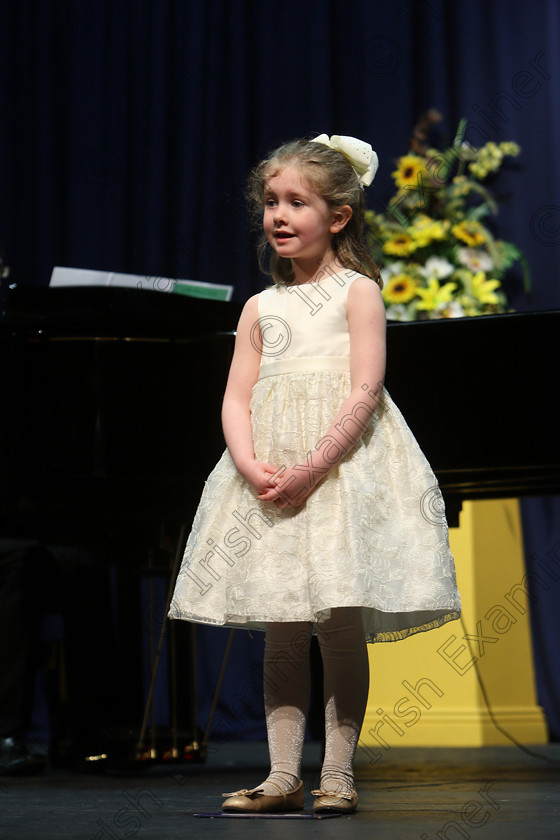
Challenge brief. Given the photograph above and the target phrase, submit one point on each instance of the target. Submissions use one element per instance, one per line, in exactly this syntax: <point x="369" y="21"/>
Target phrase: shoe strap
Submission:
<point x="333" y="795"/>
<point x="258" y="789"/>
<point x="278" y="788"/>
<point x="244" y="792"/>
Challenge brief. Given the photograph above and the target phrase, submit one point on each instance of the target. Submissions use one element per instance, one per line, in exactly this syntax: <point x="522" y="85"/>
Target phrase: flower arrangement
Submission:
<point x="437" y="258"/>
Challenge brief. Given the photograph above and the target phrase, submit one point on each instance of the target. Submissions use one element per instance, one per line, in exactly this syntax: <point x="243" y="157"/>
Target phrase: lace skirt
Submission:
<point x="373" y="534"/>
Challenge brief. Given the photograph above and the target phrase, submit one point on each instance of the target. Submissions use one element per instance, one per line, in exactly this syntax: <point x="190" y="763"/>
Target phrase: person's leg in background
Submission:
<point x="18" y="620"/>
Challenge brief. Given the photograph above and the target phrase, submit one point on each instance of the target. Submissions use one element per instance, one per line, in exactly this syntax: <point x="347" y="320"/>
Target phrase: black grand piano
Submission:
<point x="110" y="419"/>
<point x="107" y="408"/>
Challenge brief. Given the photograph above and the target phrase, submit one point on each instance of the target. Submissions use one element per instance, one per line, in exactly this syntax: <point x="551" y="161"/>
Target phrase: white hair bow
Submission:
<point x="360" y="154"/>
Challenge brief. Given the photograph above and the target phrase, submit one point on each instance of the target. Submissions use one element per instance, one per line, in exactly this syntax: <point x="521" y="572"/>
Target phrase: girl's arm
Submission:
<point x="236" y="414"/>
<point x="367" y="327"/>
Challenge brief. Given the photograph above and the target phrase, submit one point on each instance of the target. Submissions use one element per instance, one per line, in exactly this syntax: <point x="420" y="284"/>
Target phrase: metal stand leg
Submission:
<point x="155" y="660"/>
<point x="155" y="664"/>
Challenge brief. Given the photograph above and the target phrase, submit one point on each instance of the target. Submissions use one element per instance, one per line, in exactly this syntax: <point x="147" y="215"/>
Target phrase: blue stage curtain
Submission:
<point x="541" y="531"/>
<point x="127" y="128"/>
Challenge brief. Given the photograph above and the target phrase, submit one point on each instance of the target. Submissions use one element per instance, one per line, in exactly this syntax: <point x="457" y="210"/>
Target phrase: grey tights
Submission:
<point x="286" y="694"/>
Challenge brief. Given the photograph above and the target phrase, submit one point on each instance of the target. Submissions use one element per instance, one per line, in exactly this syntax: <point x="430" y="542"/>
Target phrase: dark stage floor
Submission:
<point x="412" y="794"/>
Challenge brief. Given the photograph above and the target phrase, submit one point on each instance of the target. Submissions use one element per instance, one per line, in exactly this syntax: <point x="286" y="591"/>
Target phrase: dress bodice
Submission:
<point x="305" y="327"/>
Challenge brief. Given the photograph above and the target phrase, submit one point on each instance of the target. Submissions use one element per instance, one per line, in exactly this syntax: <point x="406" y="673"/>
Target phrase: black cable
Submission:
<point x="486" y="699"/>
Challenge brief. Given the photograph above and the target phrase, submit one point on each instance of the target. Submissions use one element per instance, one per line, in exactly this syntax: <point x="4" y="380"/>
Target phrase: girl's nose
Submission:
<point x="279" y="213"/>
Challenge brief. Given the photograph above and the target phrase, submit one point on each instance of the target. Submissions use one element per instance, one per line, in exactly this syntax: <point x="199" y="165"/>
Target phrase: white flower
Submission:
<point x="454" y="309"/>
<point x="399" y="312"/>
<point x="475" y="259"/>
<point x="437" y="267"/>
<point x="393" y="268"/>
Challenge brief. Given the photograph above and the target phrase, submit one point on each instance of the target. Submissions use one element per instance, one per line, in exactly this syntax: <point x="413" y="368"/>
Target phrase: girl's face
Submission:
<point x="297" y="220"/>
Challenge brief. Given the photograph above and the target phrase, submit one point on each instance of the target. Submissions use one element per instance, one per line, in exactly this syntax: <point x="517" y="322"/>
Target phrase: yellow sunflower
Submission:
<point x="426" y="230"/>
<point x="409" y="168"/>
<point x="400" y="245"/>
<point x="470" y="232"/>
<point x="400" y="289"/>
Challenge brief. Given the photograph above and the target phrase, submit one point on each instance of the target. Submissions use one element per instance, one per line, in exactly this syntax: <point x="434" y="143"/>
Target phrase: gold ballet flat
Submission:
<point x="259" y="802"/>
<point x="330" y="802"/>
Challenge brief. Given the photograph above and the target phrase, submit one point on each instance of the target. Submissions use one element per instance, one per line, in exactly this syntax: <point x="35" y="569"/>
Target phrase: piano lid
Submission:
<point x="115" y="312"/>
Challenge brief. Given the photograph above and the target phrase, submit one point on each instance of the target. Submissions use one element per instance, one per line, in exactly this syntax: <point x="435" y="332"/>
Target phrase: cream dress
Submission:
<point x="373" y="534"/>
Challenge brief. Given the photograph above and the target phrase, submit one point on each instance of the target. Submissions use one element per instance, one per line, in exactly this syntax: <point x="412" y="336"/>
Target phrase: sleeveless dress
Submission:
<point x="373" y="533"/>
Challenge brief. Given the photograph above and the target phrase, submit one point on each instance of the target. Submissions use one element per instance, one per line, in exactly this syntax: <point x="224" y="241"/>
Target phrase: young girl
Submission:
<point x="319" y="517"/>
